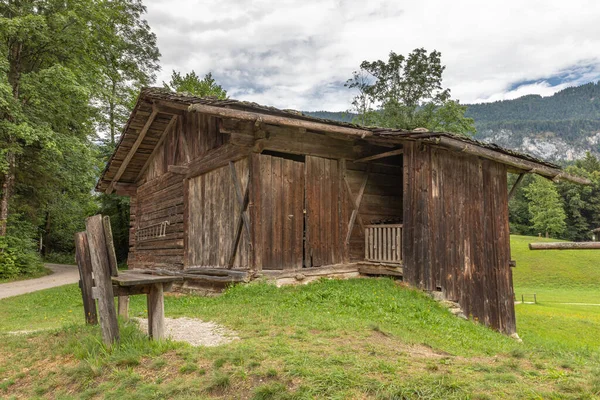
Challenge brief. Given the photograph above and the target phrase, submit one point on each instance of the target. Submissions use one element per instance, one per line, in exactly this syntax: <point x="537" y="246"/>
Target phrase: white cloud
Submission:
<point x="297" y="54"/>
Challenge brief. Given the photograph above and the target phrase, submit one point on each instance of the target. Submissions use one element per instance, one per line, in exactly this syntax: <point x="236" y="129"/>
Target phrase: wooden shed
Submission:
<point x="223" y="190"/>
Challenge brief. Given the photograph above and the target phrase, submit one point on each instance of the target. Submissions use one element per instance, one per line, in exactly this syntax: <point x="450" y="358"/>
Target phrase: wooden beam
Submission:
<point x="565" y="246"/>
<point x="529" y="166"/>
<point x="160" y="141"/>
<point x="133" y="150"/>
<point x="125" y="189"/>
<point x="278" y="120"/>
<point x="514" y="188"/>
<point x="216" y="158"/>
<point x="381" y="155"/>
<point x="178" y="169"/>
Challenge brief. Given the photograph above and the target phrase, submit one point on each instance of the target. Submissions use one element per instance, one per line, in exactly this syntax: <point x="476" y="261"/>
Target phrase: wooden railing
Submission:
<point x="383" y="243"/>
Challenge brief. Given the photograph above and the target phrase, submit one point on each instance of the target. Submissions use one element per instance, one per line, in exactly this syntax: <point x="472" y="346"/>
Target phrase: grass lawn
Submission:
<point x="355" y="339"/>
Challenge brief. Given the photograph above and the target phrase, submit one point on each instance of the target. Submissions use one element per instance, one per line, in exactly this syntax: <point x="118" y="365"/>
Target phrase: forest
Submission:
<point x="71" y="72"/>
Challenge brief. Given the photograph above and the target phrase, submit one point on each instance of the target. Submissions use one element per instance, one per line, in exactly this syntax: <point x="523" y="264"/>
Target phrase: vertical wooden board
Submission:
<point x="101" y="269"/>
<point x="277" y="210"/>
<point x="477" y="238"/>
<point x="313" y="210"/>
<point x="326" y="209"/>
<point x="226" y="198"/>
<point x="288" y="180"/>
<point x="408" y="225"/>
<point x="451" y="215"/>
<point x="505" y="289"/>
<point x="334" y="250"/>
<point x="308" y="195"/>
<point x="204" y="208"/>
<point x="186" y="222"/>
<point x="255" y="211"/>
<point x="491" y="255"/>
<point x="462" y="248"/>
<point x="298" y="244"/>
<point x="266" y="211"/>
<point x="436" y="220"/>
<point x="344" y="212"/>
<point x="84" y="264"/>
<point x="110" y="246"/>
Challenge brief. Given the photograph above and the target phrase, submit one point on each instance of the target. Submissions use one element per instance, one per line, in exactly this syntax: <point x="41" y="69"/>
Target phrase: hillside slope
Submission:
<point x="563" y="276"/>
<point x="562" y="127"/>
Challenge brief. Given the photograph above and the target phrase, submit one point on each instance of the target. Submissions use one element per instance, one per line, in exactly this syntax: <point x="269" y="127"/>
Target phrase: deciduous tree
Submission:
<point x="407" y="93"/>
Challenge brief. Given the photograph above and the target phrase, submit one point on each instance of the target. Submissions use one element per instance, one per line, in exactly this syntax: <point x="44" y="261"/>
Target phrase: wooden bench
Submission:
<point x="153" y="286"/>
<point x="101" y="281"/>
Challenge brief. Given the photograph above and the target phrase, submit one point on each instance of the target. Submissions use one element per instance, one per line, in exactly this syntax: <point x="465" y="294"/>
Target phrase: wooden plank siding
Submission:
<point x="157" y="201"/>
<point x="192" y="136"/>
<point x="456" y="235"/>
<point x="382" y="199"/>
<point x="213" y="216"/>
<point x="277" y="204"/>
<point x="160" y="195"/>
<point x="324" y="239"/>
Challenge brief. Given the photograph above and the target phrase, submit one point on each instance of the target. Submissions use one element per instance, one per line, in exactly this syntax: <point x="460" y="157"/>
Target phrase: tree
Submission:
<point x="545" y="207"/>
<point x="58" y="61"/>
<point x="129" y="61"/>
<point x="407" y="93"/>
<point x="191" y="84"/>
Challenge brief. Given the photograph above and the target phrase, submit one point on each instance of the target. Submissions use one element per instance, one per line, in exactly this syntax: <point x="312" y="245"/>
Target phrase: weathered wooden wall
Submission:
<point x="382" y="198"/>
<point x="160" y="196"/>
<point x="191" y="137"/>
<point x="214" y="213"/>
<point x="277" y="204"/>
<point x="456" y="234"/>
<point x="325" y="227"/>
<point x="158" y="200"/>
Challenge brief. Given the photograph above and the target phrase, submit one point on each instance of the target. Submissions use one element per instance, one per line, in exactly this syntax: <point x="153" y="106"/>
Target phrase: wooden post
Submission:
<point x="124" y="307"/>
<point x="110" y="246"/>
<point x="101" y="267"/>
<point x="86" y="282"/>
<point x="156" y="312"/>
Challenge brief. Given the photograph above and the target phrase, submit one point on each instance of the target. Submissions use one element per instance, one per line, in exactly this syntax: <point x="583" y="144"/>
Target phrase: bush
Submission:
<point x="17" y="252"/>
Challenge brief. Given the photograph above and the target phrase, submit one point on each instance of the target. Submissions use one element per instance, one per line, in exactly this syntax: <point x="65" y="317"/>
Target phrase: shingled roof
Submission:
<point x="150" y="96"/>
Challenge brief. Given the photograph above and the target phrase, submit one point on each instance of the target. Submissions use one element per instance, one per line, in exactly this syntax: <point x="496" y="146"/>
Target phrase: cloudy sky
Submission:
<point x="298" y="54"/>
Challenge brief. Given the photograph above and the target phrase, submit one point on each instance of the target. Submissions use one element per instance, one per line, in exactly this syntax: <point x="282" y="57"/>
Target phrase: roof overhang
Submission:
<point x="157" y="110"/>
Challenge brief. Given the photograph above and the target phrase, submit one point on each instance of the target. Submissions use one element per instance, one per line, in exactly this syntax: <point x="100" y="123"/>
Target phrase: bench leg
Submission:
<point x="124" y="307"/>
<point x="156" y="312"/>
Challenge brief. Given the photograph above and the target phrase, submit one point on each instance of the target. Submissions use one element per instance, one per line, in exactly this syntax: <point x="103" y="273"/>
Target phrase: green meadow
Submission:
<point x="353" y="339"/>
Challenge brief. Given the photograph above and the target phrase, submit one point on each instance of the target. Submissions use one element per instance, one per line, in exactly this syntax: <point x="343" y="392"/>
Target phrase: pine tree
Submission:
<point x="545" y="207"/>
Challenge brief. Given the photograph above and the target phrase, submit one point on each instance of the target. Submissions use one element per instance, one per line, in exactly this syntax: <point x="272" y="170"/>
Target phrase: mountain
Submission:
<point x="560" y="128"/>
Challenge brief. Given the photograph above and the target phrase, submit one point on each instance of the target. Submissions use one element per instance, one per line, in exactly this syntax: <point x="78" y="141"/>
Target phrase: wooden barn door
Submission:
<point x="278" y="212"/>
<point x="324" y="244"/>
<point x="218" y="236"/>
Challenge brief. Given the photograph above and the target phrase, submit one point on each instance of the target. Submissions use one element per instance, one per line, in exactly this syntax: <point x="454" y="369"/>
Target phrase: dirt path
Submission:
<point x="63" y="275"/>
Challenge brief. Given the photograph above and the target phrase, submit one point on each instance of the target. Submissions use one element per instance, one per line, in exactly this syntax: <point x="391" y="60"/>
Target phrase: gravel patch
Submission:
<point x="193" y="331"/>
